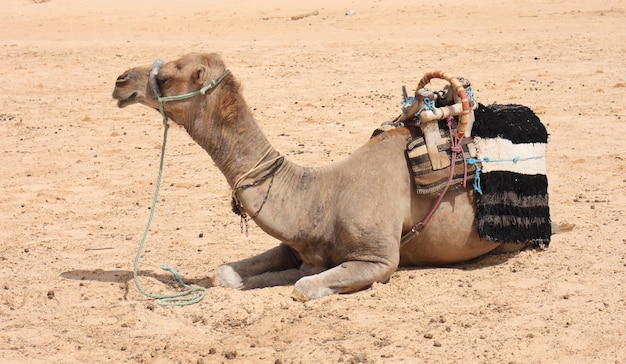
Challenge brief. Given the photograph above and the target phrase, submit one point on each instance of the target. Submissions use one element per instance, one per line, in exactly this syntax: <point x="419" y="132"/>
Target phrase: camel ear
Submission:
<point x="200" y="74"/>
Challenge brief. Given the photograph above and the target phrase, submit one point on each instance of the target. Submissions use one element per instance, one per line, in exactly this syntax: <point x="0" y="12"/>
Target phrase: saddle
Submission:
<point x="431" y="178"/>
<point x="441" y="122"/>
<point x="501" y="148"/>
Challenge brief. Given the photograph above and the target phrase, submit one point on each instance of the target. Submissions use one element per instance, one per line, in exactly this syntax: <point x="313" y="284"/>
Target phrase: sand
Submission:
<point x="78" y="176"/>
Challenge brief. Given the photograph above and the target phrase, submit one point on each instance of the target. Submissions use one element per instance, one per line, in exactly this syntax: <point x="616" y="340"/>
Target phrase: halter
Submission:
<point x="156" y="66"/>
<point x="191" y="294"/>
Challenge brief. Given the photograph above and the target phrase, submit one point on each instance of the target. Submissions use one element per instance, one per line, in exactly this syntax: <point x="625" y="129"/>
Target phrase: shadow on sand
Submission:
<point x="487" y="260"/>
<point x="125" y="277"/>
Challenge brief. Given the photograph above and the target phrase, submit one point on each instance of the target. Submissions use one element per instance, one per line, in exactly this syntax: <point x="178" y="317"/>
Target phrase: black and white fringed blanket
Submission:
<point x="510" y="143"/>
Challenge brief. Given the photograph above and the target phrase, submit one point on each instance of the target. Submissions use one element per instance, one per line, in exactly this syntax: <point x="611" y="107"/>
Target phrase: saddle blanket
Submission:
<point x="510" y="143"/>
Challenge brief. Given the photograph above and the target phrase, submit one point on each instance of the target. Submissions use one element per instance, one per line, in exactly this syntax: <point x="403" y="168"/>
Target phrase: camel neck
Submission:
<point x="231" y="136"/>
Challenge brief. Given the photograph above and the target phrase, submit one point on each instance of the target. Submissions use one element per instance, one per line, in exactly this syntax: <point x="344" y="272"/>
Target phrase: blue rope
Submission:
<point x="474" y="162"/>
<point x="406" y="102"/>
<point x="430" y="104"/>
<point x="470" y="93"/>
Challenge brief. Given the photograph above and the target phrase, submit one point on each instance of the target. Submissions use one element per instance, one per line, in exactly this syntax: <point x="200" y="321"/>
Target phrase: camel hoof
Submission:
<point x="228" y="277"/>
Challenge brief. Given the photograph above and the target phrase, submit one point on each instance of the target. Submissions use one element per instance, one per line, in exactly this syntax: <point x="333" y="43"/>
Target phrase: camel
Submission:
<point x="340" y="225"/>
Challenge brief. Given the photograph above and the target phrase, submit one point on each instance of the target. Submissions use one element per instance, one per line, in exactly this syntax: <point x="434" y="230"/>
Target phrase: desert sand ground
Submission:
<point x="78" y="174"/>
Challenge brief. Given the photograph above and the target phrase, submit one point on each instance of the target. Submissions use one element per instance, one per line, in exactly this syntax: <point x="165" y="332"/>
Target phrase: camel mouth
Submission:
<point x="129" y="100"/>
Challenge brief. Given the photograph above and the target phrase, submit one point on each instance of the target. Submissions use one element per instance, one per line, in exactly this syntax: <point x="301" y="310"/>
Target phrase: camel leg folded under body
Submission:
<point x="280" y="266"/>
<point x="347" y="277"/>
<point x="275" y="267"/>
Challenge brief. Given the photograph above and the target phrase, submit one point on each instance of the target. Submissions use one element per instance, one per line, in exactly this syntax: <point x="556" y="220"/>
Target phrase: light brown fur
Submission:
<point x="340" y="225"/>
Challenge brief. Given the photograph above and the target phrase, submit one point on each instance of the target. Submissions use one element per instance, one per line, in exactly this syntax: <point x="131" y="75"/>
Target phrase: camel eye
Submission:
<point x="162" y="81"/>
<point x="122" y="79"/>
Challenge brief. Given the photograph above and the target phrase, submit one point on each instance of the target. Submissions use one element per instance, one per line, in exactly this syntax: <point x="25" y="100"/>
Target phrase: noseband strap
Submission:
<point x="156" y="66"/>
<point x="201" y="91"/>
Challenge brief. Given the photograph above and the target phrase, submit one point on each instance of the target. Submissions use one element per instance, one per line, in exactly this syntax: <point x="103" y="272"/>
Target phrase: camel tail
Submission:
<point x="562" y="228"/>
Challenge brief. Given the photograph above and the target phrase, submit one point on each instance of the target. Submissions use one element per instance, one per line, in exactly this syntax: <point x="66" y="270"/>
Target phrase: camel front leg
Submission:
<point x="276" y="266"/>
<point x="347" y="277"/>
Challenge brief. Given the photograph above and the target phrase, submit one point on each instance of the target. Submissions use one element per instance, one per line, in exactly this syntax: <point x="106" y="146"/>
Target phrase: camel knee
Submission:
<point x="345" y="278"/>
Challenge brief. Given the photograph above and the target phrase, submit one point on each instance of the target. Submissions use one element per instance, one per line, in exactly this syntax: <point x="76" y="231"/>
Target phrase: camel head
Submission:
<point x="185" y="75"/>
